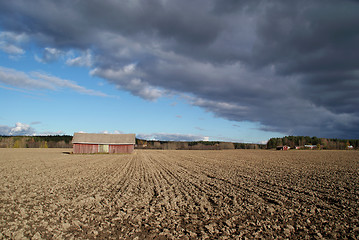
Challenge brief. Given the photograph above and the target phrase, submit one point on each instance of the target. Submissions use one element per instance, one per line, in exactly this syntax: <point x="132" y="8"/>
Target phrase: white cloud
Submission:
<point x="19" y="129"/>
<point x="137" y="87"/>
<point x="38" y="59"/>
<point x="114" y="132"/>
<point x="20" y="79"/>
<point x="49" y="55"/>
<point x="36" y="80"/>
<point x="14" y="89"/>
<point x="130" y="68"/>
<point x="171" y="137"/>
<point x="11" y="42"/>
<point x="224" y="106"/>
<point x="118" y="74"/>
<point x="22" y="129"/>
<point x="14" y="37"/>
<point x="127" y="78"/>
<point x="63" y="83"/>
<point x="84" y="60"/>
<point x="50" y="133"/>
<point x="11" y="49"/>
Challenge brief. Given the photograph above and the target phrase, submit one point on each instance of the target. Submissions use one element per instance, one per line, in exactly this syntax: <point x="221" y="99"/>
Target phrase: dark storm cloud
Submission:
<point x="292" y="66"/>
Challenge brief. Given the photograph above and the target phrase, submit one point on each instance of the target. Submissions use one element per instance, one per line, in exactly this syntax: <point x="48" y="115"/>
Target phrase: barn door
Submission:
<point x="103" y="148"/>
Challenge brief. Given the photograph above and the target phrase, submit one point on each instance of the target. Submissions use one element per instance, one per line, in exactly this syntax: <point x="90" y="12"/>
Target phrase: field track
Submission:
<point x="46" y="193"/>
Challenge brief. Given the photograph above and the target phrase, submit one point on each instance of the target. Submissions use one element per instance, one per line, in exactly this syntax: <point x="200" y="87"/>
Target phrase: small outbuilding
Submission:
<point x="103" y="143"/>
<point x="309" y="146"/>
<point x="283" y="148"/>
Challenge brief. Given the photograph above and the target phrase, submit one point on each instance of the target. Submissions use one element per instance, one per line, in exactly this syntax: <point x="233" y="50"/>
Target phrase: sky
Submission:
<point x="234" y="70"/>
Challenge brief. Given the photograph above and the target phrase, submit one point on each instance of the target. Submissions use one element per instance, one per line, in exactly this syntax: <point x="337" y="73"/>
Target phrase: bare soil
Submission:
<point x="230" y="194"/>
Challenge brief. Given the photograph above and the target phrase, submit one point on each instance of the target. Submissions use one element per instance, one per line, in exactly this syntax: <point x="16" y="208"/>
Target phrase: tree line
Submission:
<point x="322" y="143"/>
<point x="195" y="145"/>
<point x="56" y="141"/>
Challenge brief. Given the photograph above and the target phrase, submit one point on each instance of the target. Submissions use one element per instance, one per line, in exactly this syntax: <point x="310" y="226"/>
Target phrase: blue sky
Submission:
<point x="242" y="71"/>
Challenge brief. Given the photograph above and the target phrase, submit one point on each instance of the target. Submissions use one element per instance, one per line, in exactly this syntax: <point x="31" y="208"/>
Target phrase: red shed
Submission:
<point x="103" y="143"/>
<point x="284" y="148"/>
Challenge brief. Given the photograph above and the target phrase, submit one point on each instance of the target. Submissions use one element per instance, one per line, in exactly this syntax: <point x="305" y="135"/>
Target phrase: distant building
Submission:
<point x="310" y="146"/>
<point x="103" y="143"/>
<point x="283" y="148"/>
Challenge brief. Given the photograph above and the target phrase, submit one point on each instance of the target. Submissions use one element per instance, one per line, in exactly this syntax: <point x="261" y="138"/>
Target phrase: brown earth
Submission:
<point x="46" y="193"/>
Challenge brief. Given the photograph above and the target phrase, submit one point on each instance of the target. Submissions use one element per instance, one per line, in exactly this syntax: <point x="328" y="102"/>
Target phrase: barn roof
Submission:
<point x="99" y="138"/>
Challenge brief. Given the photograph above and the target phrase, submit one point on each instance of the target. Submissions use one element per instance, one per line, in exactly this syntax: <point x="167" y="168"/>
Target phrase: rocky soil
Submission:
<point x="230" y="194"/>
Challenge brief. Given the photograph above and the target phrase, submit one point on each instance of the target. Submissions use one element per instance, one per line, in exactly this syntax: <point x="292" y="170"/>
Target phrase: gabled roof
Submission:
<point x="96" y="138"/>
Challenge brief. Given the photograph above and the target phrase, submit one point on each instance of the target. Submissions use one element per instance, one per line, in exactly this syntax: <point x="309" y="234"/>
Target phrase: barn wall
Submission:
<point x="96" y="148"/>
<point x="85" y="148"/>
<point x="121" y="148"/>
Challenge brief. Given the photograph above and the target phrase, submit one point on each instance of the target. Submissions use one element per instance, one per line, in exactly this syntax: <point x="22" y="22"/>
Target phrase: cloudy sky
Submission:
<point x="180" y="70"/>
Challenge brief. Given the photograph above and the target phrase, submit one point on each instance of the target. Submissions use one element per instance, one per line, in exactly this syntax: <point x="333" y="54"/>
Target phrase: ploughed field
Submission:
<point x="46" y="193"/>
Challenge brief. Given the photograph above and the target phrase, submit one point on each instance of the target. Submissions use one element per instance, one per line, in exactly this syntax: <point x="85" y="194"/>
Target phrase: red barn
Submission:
<point x="284" y="148"/>
<point x="103" y="143"/>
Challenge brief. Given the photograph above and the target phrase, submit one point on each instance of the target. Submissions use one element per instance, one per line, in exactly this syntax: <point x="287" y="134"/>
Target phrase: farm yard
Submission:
<point x="48" y="193"/>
